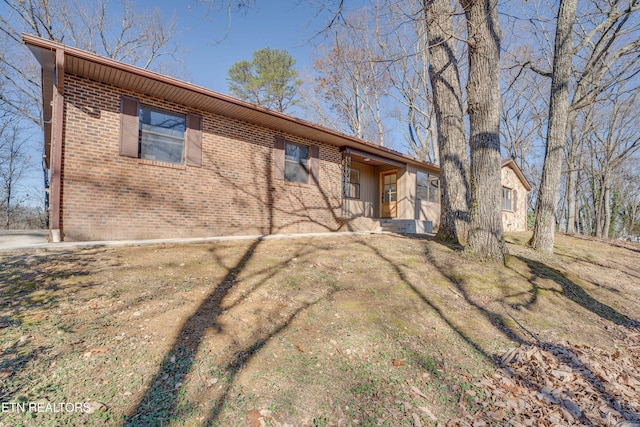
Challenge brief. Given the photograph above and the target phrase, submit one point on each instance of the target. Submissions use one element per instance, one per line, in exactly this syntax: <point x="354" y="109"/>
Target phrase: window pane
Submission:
<point x="295" y="172"/>
<point x="160" y="148"/>
<point x="422" y="179"/>
<point x="422" y="193"/>
<point x="161" y="135"/>
<point x="296" y="153"/>
<point x="434" y="190"/>
<point x="422" y="186"/>
<point x="355" y="176"/>
<point x="390" y="192"/>
<point x="295" y="162"/>
<point x="352" y="188"/>
<point x="354" y="191"/>
<point x="507" y="199"/>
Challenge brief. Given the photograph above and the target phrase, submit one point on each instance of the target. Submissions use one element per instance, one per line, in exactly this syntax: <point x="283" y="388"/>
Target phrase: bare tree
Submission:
<point x="522" y="117"/>
<point x="353" y="78"/>
<point x="483" y="106"/>
<point x="608" y="45"/>
<point x="580" y="125"/>
<point x="404" y="43"/>
<point x="142" y="38"/>
<point x="605" y="57"/>
<point x="448" y="106"/>
<point x="630" y="198"/>
<point x="13" y="167"/>
<point x="612" y="142"/>
<point x="547" y="201"/>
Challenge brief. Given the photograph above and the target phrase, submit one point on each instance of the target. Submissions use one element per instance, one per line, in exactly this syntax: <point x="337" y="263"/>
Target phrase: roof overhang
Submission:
<point x="510" y="163"/>
<point x="47" y="59"/>
<point x="89" y="65"/>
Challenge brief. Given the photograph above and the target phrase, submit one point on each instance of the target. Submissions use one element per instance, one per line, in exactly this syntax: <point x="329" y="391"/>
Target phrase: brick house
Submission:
<point x="136" y="155"/>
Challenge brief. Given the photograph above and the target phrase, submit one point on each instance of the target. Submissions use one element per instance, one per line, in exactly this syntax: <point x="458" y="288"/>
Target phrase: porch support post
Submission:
<point x="346" y="180"/>
<point x="56" y="149"/>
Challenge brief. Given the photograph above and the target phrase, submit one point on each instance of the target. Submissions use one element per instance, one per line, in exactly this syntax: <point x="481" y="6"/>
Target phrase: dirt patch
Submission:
<point x="346" y="330"/>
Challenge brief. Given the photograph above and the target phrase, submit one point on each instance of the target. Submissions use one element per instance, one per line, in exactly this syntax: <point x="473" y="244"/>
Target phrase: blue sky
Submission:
<point x="209" y="54"/>
<point x="208" y="51"/>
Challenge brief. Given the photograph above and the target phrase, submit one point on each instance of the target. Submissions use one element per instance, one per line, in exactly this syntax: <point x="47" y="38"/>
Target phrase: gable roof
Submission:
<point x="86" y="64"/>
<point x="510" y="163"/>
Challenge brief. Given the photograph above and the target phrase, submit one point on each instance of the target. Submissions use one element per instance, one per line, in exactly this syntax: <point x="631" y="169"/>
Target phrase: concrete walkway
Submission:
<point x="19" y="240"/>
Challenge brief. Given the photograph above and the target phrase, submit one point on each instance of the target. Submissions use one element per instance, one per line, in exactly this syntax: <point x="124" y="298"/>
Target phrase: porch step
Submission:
<point x="406" y="226"/>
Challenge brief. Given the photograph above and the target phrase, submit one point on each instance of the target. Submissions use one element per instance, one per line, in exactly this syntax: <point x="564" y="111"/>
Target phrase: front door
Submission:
<point x="389" y="196"/>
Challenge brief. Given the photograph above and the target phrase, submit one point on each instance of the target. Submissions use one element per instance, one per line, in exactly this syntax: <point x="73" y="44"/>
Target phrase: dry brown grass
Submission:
<point x="310" y="331"/>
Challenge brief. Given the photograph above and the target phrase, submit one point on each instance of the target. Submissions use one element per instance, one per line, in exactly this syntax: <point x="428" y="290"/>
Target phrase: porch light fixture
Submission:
<point x="367" y="159"/>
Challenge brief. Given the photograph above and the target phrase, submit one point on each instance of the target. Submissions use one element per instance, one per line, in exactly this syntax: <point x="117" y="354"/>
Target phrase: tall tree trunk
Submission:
<point x="574" y="165"/>
<point x="546" y="206"/>
<point x="483" y="100"/>
<point x="447" y="103"/>
<point x="606" y="212"/>
<point x="603" y="212"/>
<point x="571" y="197"/>
<point x="598" y="201"/>
<point x="578" y="199"/>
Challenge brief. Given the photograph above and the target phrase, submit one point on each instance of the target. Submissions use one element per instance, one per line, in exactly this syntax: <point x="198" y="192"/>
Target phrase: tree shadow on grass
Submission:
<point x="562" y="353"/>
<point x="243" y="356"/>
<point x="14" y="358"/>
<point x="164" y="400"/>
<point x="32" y="286"/>
<point x="161" y="399"/>
<point x="440" y="312"/>
<point x="577" y="294"/>
<point x="29" y="280"/>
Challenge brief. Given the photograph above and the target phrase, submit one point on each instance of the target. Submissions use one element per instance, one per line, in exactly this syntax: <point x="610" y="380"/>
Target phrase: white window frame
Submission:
<point x="152" y="136"/>
<point x="507" y="200"/>
<point x="293" y="167"/>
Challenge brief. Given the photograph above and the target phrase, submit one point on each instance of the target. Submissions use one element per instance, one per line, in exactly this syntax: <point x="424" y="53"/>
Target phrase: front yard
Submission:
<point x="346" y="330"/>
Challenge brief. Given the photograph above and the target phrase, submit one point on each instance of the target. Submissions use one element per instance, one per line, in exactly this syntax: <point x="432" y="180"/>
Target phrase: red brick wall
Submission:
<point x="108" y="196"/>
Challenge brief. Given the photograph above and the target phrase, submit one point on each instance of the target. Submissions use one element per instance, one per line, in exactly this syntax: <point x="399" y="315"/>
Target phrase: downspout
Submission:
<point x="55" y="234"/>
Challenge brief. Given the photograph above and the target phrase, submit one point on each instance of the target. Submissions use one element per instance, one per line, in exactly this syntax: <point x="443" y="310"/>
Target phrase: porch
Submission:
<point x="384" y="190"/>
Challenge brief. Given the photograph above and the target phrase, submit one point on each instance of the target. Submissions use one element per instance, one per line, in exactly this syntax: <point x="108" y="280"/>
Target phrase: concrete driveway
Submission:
<point x="16" y="239"/>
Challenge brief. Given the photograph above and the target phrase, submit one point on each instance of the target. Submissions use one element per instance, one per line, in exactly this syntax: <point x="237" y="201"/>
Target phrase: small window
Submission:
<point x="507" y="199"/>
<point x="427" y="187"/>
<point x="161" y="135"/>
<point x="352" y="190"/>
<point x="296" y="162"/>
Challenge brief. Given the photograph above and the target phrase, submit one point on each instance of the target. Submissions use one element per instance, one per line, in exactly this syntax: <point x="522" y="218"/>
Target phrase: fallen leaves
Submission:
<point x="254" y="418"/>
<point x="93" y="351"/>
<point x="264" y="417"/>
<point x="555" y="385"/>
<point x="92" y="407"/>
<point x="417" y="391"/>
